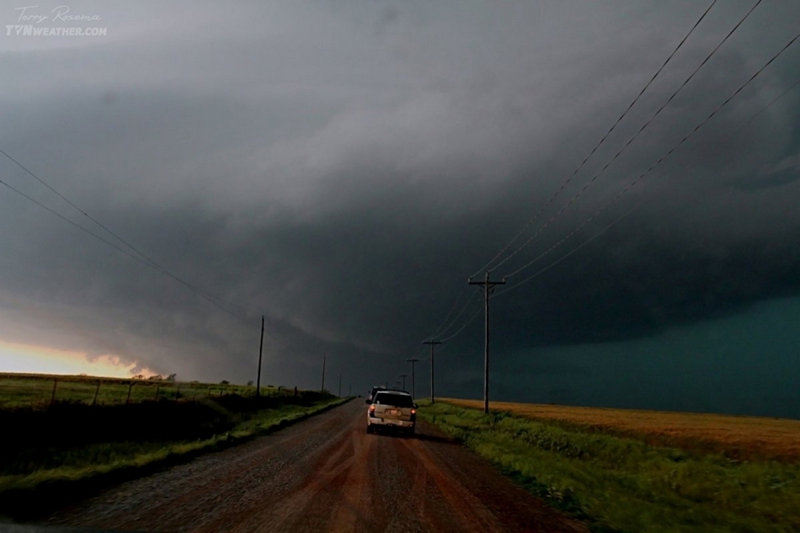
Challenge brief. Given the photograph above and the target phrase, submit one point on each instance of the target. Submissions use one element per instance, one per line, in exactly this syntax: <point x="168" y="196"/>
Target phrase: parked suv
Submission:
<point x="392" y="409"/>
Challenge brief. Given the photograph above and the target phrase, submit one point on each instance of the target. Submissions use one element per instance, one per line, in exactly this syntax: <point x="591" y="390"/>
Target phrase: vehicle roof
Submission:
<point x="393" y="392"/>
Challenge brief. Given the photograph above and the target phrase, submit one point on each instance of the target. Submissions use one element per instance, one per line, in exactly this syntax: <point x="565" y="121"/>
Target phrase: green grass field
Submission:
<point x="623" y="483"/>
<point x="39" y="390"/>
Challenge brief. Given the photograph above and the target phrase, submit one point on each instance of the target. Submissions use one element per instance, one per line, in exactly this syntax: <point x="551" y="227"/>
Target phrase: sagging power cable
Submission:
<point x="602" y="140"/>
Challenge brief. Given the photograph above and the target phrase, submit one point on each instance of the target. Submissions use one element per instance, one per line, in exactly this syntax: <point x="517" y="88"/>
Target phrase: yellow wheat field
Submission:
<point x="743" y="437"/>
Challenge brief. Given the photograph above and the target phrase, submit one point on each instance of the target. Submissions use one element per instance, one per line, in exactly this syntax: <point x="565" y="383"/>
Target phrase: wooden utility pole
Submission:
<point x="404" y="376"/>
<point x="260" y="350"/>
<point x="412" y="361"/>
<point x="488" y="288"/>
<point x="433" y="345"/>
<point x="324" y="356"/>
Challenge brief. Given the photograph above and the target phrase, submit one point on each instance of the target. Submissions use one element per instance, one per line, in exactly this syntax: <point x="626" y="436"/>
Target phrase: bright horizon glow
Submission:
<point x="30" y="359"/>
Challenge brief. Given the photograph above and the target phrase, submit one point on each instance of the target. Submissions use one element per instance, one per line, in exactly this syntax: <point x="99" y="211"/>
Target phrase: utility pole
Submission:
<point x="488" y="288"/>
<point x="404" y="376"/>
<point x="324" y="356"/>
<point x="340" y="385"/>
<point x="412" y="361"/>
<point x="433" y="345"/>
<point x="260" y="350"/>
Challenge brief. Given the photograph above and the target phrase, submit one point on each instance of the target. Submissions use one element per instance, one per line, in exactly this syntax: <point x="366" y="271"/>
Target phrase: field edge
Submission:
<point x="33" y="496"/>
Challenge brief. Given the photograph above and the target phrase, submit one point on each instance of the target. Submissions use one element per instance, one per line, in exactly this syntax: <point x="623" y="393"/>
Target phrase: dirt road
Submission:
<point x="324" y="474"/>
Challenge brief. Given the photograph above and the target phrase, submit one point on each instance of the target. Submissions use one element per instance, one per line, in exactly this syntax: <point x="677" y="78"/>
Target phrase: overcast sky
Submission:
<point x="343" y="167"/>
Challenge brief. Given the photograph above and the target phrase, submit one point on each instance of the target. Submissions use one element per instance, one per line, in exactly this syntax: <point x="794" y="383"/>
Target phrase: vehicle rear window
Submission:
<point x="398" y="400"/>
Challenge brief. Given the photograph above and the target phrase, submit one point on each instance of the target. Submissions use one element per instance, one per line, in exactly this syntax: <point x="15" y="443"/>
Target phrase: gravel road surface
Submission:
<point x="324" y="474"/>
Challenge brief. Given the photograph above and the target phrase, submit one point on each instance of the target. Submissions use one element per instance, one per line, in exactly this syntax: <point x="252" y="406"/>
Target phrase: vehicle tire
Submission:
<point x="410" y="432"/>
<point x="369" y="428"/>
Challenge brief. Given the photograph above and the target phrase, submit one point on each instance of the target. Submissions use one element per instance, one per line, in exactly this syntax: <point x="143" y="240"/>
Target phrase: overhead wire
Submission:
<point x="466" y="323"/>
<point x="574" y="250"/>
<point x="597" y="146"/>
<point x="640" y="204"/>
<point x="630" y="141"/>
<point x="664" y="157"/>
<point x="122" y="250"/>
<point x="439" y="329"/>
<point x="140" y="256"/>
<point x="68" y="201"/>
<point x="469" y="300"/>
<point x="62" y="217"/>
<point x="763" y="109"/>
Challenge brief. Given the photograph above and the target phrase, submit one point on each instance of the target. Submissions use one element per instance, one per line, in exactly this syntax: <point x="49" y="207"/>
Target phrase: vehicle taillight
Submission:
<point x="413" y="411"/>
<point x="372" y="408"/>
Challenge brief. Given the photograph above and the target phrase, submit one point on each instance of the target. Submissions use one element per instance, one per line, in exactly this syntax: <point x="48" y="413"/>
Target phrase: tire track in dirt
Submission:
<point x="324" y="474"/>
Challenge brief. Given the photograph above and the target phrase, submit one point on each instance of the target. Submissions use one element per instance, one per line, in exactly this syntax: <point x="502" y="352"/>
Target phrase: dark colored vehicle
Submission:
<point x="374" y="390"/>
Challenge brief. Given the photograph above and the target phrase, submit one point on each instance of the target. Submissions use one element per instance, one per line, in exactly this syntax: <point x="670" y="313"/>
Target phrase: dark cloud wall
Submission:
<point x="343" y="169"/>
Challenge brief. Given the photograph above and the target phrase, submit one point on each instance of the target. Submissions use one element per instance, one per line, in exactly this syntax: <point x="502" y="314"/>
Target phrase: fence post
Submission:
<point x="128" y="399"/>
<point x="96" y="392"/>
<point x="53" y="397"/>
<point x="177" y="393"/>
<point x="295" y="390"/>
<point x="158" y="388"/>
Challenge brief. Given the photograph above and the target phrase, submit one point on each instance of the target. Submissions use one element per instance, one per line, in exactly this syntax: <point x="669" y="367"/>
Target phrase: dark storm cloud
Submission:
<point x="343" y="169"/>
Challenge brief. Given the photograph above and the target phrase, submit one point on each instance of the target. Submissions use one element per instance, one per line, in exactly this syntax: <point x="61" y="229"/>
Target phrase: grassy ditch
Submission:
<point x="619" y="483"/>
<point x="76" y="447"/>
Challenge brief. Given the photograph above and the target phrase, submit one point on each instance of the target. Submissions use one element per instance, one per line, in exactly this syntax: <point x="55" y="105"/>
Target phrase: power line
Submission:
<point x="455" y="319"/>
<point x="67" y="200"/>
<point x="142" y="258"/>
<point x="574" y="250"/>
<point x="637" y="206"/>
<point x="665" y="156"/>
<point x="602" y="140"/>
<point x="467" y="323"/>
<point x="630" y="141"/>
<point x="62" y="217"/>
<point x="438" y="330"/>
<point x="774" y="100"/>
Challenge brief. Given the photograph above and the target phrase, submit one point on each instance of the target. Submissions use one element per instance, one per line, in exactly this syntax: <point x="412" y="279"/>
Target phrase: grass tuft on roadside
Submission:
<point x="619" y="483"/>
